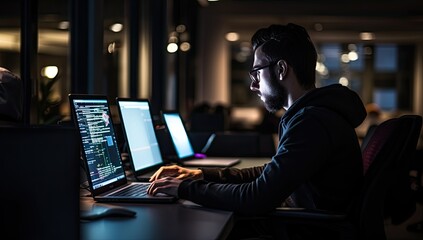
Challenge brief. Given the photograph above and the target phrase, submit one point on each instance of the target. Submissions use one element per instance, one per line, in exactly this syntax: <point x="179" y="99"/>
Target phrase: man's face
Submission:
<point x="266" y="84"/>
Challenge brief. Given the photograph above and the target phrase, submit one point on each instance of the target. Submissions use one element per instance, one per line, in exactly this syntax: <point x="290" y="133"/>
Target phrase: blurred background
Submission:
<point x="194" y="55"/>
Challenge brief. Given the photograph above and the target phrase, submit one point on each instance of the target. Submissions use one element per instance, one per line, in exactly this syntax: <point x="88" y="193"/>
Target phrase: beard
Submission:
<point x="275" y="101"/>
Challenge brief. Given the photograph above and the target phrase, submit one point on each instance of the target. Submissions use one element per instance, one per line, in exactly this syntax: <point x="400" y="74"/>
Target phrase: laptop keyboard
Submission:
<point x="135" y="190"/>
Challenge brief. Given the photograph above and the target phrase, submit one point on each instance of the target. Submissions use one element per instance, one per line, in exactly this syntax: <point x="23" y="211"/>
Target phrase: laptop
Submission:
<point x="141" y="141"/>
<point x="183" y="147"/>
<point x="105" y="171"/>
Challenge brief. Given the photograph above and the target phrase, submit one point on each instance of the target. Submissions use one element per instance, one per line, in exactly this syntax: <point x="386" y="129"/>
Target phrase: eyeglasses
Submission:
<point x="253" y="72"/>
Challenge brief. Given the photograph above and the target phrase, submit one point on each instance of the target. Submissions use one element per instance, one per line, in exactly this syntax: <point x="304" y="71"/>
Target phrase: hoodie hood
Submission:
<point x="336" y="98"/>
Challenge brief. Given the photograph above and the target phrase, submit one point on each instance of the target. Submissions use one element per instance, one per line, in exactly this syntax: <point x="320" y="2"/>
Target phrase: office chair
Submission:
<point x="386" y="190"/>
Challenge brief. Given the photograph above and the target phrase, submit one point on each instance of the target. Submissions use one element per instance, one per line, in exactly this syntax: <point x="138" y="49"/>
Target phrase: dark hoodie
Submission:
<point x="317" y="164"/>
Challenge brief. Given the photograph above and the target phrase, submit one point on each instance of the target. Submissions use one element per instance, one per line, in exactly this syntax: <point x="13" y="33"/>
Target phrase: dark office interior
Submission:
<point x="193" y="56"/>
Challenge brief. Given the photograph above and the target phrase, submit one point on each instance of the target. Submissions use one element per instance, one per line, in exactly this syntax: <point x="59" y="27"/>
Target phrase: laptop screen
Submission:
<point x="178" y="134"/>
<point x="99" y="144"/>
<point x="139" y="132"/>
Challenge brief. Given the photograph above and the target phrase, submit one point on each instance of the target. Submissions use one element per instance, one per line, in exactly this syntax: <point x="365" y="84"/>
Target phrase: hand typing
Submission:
<point x="167" y="185"/>
<point x="176" y="172"/>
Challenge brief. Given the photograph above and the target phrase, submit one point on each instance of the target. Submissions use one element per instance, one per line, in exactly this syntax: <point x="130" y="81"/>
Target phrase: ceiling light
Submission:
<point x="185" y="46"/>
<point x="181" y="28"/>
<point x="352" y="55"/>
<point x="344" y="81"/>
<point x="49" y="71"/>
<point x="352" y="47"/>
<point x="321" y="68"/>
<point x="111" y="48"/>
<point x="63" y="25"/>
<point x="232" y="36"/>
<point x="345" y="58"/>
<point x="117" y="27"/>
<point x="172" y="47"/>
<point x="367" y="36"/>
<point x="318" y="27"/>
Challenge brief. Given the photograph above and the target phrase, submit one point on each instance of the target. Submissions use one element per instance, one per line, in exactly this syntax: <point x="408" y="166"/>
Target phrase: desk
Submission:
<point x="165" y="221"/>
<point x="252" y="162"/>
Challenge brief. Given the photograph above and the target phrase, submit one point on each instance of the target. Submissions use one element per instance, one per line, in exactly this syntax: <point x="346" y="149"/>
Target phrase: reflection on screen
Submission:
<point x="178" y="134"/>
<point x="139" y="130"/>
<point x="99" y="141"/>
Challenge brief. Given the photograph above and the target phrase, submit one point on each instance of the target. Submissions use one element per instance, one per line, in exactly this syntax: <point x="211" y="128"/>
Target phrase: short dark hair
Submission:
<point x="291" y="43"/>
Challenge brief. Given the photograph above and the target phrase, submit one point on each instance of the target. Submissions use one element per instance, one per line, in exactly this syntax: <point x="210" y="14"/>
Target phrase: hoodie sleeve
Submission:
<point x="231" y="175"/>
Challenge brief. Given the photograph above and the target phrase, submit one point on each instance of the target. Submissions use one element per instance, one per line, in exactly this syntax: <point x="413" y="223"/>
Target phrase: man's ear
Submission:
<point x="283" y="69"/>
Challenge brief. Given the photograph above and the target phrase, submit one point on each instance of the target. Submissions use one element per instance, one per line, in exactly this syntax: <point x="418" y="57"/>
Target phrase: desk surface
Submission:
<point x="165" y="221"/>
<point x="161" y="221"/>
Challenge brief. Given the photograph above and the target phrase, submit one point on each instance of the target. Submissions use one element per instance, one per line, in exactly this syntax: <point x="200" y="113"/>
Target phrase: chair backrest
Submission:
<point x="375" y="142"/>
<point x="386" y="160"/>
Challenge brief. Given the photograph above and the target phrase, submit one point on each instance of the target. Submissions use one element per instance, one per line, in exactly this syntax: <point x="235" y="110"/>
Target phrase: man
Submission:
<point x="318" y="159"/>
